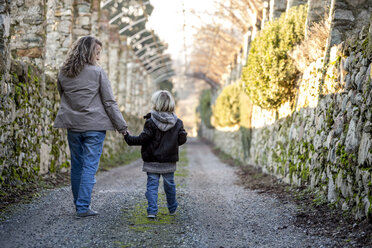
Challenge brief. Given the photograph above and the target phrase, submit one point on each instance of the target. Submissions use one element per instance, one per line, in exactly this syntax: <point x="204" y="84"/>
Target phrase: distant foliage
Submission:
<point x="270" y="73"/>
<point x="226" y="111"/>
<point x="166" y="85"/>
<point x="205" y="108"/>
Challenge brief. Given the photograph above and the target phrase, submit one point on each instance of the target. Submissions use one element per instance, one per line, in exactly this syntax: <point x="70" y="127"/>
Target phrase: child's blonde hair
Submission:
<point x="162" y="101"/>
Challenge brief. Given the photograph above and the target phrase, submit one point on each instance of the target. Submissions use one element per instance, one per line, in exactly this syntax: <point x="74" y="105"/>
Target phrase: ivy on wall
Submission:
<point x="28" y="107"/>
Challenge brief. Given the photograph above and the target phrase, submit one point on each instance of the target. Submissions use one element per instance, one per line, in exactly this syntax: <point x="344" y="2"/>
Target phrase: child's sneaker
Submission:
<point x="173" y="213"/>
<point x="151" y="216"/>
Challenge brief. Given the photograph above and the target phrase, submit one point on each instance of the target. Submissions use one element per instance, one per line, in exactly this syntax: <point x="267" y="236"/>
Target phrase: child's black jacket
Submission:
<point x="159" y="146"/>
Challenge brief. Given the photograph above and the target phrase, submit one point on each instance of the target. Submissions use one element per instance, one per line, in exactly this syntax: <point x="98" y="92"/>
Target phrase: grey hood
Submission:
<point x="163" y="120"/>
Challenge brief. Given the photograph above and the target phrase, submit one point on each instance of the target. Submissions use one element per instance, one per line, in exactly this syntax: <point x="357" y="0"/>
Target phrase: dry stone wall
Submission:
<point x="349" y="16"/>
<point x="326" y="142"/>
<point x="328" y="145"/>
<point x="34" y="39"/>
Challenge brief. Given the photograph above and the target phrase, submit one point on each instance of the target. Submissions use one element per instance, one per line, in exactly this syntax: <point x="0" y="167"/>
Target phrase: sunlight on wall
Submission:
<point x="308" y="96"/>
<point x="262" y="117"/>
<point x="228" y="129"/>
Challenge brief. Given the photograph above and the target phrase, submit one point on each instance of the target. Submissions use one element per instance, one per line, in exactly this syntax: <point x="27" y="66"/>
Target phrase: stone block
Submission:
<point x="35" y="52"/>
<point x="348" y="62"/>
<point x="5" y="24"/>
<point x="343" y="15"/>
<point x="80" y="31"/>
<point x="66" y="42"/>
<point x="364" y="154"/>
<point x="277" y="7"/>
<point x="83" y="20"/>
<point x="64" y="26"/>
<point x="331" y="195"/>
<point x="367" y="127"/>
<point x="352" y="137"/>
<point x="83" y="8"/>
<point x="332" y="155"/>
<point x="359" y="99"/>
<point x="33" y="20"/>
<point x="64" y="12"/>
<point x="360" y="78"/>
<point x="44" y="158"/>
<point x="329" y="140"/>
<point x="367" y="205"/>
<point x="292" y="3"/>
<point x="19" y="3"/>
<point x="362" y="20"/>
<point x="33" y="40"/>
<point x="355" y="3"/>
<point x="335" y="37"/>
<point x="32" y="3"/>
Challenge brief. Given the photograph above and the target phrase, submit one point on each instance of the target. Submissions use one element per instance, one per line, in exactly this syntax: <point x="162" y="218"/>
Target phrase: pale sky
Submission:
<point x="167" y="21"/>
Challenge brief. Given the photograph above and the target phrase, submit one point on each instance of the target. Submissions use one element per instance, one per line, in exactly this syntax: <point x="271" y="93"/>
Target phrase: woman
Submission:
<point x="87" y="110"/>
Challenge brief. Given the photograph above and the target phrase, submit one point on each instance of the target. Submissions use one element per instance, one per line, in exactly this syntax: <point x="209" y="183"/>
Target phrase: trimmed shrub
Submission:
<point x="232" y="107"/>
<point x="270" y="73"/>
<point x="226" y="111"/>
<point x="245" y="110"/>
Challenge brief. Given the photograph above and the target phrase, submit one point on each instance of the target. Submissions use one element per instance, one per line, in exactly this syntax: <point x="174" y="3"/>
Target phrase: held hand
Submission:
<point x="125" y="133"/>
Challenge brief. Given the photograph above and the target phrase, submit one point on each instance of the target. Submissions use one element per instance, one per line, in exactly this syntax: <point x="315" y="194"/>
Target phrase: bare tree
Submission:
<point x="217" y="43"/>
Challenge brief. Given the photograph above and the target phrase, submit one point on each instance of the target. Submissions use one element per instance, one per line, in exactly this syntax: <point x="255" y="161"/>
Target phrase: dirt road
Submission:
<point x="213" y="212"/>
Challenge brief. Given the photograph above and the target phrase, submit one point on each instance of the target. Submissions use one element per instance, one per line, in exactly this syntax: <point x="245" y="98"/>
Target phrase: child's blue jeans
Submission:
<point x="86" y="149"/>
<point x="152" y="192"/>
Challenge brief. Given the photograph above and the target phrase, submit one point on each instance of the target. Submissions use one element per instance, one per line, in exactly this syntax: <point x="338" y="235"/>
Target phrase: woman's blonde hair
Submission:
<point x="83" y="52"/>
<point x="163" y="101"/>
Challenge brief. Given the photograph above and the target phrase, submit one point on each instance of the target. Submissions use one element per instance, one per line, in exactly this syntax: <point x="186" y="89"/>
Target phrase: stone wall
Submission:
<point x="34" y="39"/>
<point x="349" y="16"/>
<point x="324" y="143"/>
<point x="277" y="7"/>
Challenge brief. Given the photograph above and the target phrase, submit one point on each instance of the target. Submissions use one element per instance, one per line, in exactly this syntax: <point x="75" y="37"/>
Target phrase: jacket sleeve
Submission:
<point x="59" y="87"/>
<point x="141" y="139"/>
<point x="182" y="135"/>
<point x="110" y="105"/>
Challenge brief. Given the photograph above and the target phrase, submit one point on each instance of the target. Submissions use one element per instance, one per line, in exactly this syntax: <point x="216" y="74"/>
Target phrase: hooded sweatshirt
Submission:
<point x="163" y="120"/>
<point x="162" y="134"/>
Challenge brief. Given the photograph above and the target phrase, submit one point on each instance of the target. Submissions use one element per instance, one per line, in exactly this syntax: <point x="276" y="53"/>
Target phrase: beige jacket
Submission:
<point x="87" y="102"/>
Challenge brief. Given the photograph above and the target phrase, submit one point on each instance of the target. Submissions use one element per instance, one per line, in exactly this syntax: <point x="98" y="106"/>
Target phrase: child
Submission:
<point x="162" y="134"/>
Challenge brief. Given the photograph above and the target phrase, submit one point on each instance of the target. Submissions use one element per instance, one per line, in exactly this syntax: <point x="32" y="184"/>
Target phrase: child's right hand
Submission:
<point x="126" y="133"/>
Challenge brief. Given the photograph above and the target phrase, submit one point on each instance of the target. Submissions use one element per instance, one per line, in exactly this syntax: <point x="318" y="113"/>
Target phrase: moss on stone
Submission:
<point x="329" y="115"/>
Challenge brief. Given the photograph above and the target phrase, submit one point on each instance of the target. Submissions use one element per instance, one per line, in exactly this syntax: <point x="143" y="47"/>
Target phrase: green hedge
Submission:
<point x="205" y="108"/>
<point x="232" y="107"/>
<point x="269" y="75"/>
<point x="226" y="111"/>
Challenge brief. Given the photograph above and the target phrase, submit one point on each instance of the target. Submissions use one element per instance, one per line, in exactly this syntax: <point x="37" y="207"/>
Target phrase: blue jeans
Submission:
<point x="86" y="149"/>
<point x="152" y="192"/>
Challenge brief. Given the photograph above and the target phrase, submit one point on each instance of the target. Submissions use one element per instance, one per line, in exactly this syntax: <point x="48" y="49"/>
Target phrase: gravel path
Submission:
<point x="213" y="212"/>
